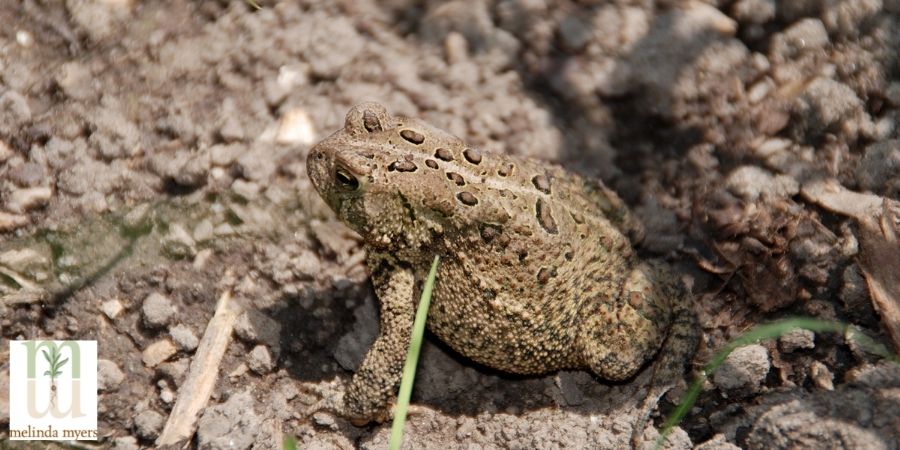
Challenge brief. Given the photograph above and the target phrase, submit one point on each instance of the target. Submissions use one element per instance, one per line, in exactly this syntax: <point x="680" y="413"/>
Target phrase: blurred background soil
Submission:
<point x="152" y="157"/>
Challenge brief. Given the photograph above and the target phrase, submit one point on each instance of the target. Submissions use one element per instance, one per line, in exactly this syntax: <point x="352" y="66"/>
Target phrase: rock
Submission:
<point x="158" y="352"/>
<point x="25" y="261"/>
<point x="827" y="104"/>
<point x="101" y="19"/>
<point x="233" y="424"/>
<point x="14" y="109"/>
<point x="456" y="48"/>
<point x="744" y="370"/>
<point x="806" y="34"/>
<point x="114" y="136"/>
<point x="27" y="175"/>
<point x="847" y="18"/>
<point x="821" y="376"/>
<point x="753" y="11"/>
<point x="5" y="152"/>
<point x="246" y="189"/>
<point x="126" y="443"/>
<point x="9" y="222"/>
<point x="324" y="419"/>
<point x="157" y="310"/>
<point x="797" y="340"/>
<point x="26" y="199"/>
<point x="331" y="42"/>
<point x="178" y="243"/>
<point x="306" y="265"/>
<point x="184" y="337"/>
<point x="232" y="130"/>
<point x="174" y="370"/>
<point x="260" y="360"/>
<point x="854" y="294"/>
<point x="184" y="167"/>
<point x="575" y="31"/>
<point x="892" y="95"/>
<point x="148" y="424"/>
<point x="256" y="327"/>
<point x="296" y="128"/>
<point x="473" y="20"/>
<point x="223" y="155"/>
<point x="75" y="80"/>
<point x="204" y="231"/>
<point x="109" y="376"/>
<point x="89" y="175"/>
<point x="807" y="424"/>
<point x="257" y="164"/>
<point x="718" y="442"/>
<point x="167" y="396"/>
<point x="879" y="169"/>
<point x="138" y="218"/>
<point x="752" y="183"/>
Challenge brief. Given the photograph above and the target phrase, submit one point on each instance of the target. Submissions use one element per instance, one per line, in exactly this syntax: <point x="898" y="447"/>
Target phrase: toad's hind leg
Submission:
<point x="653" y="312"/>
<point x="680" y="340"/>
<point x="619" y="335"/>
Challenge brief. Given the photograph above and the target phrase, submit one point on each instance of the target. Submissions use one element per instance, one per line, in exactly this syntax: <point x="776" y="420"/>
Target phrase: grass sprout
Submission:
<point x="412" y="359"/>
<point x="759" y="333"/>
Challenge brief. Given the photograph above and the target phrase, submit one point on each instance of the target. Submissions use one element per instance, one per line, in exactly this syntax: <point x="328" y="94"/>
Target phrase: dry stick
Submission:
<point x="194" y="393"/>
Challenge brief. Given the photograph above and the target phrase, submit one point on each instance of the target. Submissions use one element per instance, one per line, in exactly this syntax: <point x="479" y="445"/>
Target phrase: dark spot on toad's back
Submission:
<point x="467" y="198"/>
<point x="371" y="122"/>
<point x="456" y="178"/>
<point x="412" y="136"/>
<point x="541" y="183"/>
<point x="544" y="217"/>
<point x="403" y="166"/>
<point x="443" y="154"/>
<point x="473" y="155"/>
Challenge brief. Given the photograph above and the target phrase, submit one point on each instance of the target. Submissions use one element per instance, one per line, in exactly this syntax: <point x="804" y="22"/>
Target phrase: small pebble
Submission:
<point x="797" y="340"/>
<point x="148" y="424"/>
<point x="9" y="222"/>
<point x="821" y="376"/>
<point x="158" y="352"/>
<point x="157" y="310"/>
<point x="260" y="360"/>
<point x="109" y="376"/>
<point x="295" y="128"/>
<point x="126" y="443"/>
<point x="184" y="338"/>
<point x="744" y="369"/>
<point x="26" y="199"/>
<point x="111" y="308"/>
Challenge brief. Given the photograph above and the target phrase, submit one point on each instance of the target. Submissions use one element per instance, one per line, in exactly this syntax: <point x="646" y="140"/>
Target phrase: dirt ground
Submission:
<point x="152" y="164"/>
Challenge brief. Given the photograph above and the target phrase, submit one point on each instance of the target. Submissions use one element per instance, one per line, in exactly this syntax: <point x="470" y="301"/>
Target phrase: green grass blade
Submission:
<point x="759" y="333"/>
<point x="412" y="359"/>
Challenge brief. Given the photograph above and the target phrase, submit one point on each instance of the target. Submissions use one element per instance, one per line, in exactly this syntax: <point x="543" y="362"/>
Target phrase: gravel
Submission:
<point x="745" y="369"/>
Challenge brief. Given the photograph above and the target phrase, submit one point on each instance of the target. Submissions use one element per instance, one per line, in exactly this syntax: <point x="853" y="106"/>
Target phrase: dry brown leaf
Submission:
<point x="879" y="256"/>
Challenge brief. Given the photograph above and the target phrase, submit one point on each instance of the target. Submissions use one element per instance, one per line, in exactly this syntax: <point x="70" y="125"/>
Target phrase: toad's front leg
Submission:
<point x="376" y="380"/>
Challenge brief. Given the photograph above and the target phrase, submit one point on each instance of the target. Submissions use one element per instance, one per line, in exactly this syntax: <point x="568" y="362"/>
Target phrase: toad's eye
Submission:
<point x="346" y="180"/>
